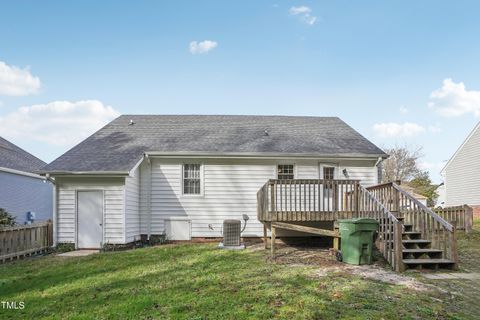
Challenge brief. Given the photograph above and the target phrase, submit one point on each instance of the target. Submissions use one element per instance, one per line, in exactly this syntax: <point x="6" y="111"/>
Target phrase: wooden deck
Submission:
<point x="406" y="227"/>
<point x="307" y="200"/>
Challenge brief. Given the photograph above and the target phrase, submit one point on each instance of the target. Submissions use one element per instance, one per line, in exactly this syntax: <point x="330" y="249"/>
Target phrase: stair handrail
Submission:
<point x="390" y="229"/>
<point x="385" y="209"/>
<point x="429" y="211"/>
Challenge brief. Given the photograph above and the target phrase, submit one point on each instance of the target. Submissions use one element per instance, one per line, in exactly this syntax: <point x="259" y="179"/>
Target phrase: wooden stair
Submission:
<point x="418" y="252"/>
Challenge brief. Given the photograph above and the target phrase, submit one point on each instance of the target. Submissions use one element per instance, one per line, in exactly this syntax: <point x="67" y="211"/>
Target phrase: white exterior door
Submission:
<point x="89" y="219"/>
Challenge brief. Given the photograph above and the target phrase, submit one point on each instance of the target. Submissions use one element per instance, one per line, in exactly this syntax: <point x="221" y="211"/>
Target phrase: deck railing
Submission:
<point x="462" y="215"/>
<point x="23" y="240"/>
<point x="431" y="225"/>
<point x="307" y="200"/>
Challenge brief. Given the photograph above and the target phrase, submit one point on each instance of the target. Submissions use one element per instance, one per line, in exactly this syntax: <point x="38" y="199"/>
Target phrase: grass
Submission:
<point x="194" y="281"/>
<point x="199" y="282"/>
<point x="463" y="294"/>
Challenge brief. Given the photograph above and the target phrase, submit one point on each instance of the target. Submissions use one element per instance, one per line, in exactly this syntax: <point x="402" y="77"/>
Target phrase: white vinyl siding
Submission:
<point x="140" y="204"/>
<point x="230" y="188"/>
<point x="462" y="173"/>
<point x="132" y="207"/>
<point x="114" y="213"/>
<point x="66" y="215"/>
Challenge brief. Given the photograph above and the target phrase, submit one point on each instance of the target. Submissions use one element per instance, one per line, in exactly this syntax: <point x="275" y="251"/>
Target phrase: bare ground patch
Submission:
<point x="328" y="264"/>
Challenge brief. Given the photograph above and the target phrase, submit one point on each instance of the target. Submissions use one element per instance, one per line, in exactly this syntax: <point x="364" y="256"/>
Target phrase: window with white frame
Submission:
<point x="285" y="171"/>
<point x="191" y="179"/>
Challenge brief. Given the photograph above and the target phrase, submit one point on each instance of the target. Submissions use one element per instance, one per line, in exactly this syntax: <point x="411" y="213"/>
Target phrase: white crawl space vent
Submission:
<point x="178" y="228"/>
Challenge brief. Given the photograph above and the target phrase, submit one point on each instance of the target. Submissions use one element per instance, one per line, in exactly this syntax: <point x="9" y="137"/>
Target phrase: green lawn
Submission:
<point x="464" y="294"/>
<point x="195" y="281"/>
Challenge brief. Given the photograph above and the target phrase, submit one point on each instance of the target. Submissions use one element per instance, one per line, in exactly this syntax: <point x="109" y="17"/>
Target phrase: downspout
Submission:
<point x="54" y="208"/>
<point x="149" y="197"/>
<point x="379" y="171"/>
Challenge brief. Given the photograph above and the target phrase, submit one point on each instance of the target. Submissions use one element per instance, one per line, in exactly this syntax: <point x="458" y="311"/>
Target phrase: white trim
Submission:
<point x="328" y="165"/>
<point x="130" y="173"/>
<point x="262" y="155"/>
<point x="125" y="211"/>
<point x="460" y="148"/>
<point x="90" y="174"/>
<point x="22" y="173"/>
<point x="54" y="215"/>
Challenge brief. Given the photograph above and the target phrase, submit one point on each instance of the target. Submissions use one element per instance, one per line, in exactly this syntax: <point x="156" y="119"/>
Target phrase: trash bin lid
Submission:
<point x="359" y="221"/>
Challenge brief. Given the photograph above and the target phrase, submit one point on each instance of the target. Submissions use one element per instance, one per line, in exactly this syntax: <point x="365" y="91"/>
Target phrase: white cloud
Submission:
<point x="435" y="128"/>
<point x="453" y="100"/>
<point x="300" y="10"/>
<point x="304" y="13"/>
<point x="403" y="110"/>
<point x="17" y="82"/>
<point x="202" y="46"/>
<point x="391" y="129"/>
<point x="59" y="123"/>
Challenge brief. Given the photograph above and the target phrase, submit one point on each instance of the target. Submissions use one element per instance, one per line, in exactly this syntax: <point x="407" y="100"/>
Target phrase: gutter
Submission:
<point x="264" y="155"/>
<point x="22" y="173"/>
<point x="91" y="173"/>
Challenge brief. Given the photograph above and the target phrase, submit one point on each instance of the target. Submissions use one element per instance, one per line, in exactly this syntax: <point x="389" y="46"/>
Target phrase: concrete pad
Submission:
<point x="78" y="253"/>
<point x="447" y="276"/>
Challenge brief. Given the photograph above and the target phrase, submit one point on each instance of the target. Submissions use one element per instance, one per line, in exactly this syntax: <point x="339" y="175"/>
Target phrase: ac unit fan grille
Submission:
<point x="231" y="233"/>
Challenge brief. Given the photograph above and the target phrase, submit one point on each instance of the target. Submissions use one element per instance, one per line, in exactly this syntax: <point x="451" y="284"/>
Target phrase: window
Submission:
<point x="285" y="171"/>
<point x="191" y="179"/>
<point x="328" y="173"/>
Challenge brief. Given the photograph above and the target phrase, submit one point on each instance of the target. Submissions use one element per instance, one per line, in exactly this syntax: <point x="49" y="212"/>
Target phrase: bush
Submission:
<point x="6" y="219"/>
<point x="65" y="247"/>
<point x="156" y="239"/>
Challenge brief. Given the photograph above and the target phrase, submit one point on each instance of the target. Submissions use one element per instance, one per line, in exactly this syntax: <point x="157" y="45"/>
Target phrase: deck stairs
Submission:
<point x="417" y="252"/>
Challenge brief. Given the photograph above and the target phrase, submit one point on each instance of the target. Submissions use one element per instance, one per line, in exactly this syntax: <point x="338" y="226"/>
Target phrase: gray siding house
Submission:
<point x="462" y="173"/>
<point x="21" y="189"/>
<point x="182" y="175"/>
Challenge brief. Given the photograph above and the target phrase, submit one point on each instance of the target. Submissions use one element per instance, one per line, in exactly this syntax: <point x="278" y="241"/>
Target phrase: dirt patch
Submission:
<point x="326" y="260"/>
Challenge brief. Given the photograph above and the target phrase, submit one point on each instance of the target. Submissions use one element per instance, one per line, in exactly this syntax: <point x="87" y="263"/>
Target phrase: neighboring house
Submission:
<point x="422" y="199"/>
<point x="462" y="173"/>
<point x="441" y="196"/>
<point x="23" y="190"/>
<point x="184" y="175"/>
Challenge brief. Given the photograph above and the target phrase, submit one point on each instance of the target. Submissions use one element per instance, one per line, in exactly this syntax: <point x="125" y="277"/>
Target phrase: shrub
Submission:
<point x="6" y="219"/>
<point x="65" y="247"/>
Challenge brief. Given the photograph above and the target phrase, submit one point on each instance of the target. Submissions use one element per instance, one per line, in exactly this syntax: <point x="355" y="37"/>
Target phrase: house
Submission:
<point x="23" y="190"/>
<point x="144" y="175"/>
<point x="462" y="173"/>
<point x="421" y="198"/>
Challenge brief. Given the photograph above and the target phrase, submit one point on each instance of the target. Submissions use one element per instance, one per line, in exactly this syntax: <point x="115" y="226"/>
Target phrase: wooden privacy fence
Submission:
<point x="23" y="240"/>
<point x="462" y="215"/>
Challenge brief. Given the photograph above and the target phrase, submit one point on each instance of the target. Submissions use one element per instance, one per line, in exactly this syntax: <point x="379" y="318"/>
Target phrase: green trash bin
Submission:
<point x="357" y="240"/>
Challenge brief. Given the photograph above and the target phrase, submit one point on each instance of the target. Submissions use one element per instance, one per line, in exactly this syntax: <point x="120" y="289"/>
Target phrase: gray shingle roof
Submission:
<point x="119" y="146"/>
<point x="13" y="157"/>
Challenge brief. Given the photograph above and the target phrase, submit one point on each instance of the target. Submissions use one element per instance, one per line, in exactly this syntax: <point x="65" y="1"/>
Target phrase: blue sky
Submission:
<point x="382" y="66"/>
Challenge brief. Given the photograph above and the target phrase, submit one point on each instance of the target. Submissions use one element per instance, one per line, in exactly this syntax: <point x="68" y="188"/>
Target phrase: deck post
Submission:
<point x="336" y="240"/>
<point x="398" y="247"/>
<point x="265" y="239"/>
<point x="356" y="198"/>
<point x="468" y="212"/>
<point x="453" y="245"/>
<point x="272" y="242"/>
